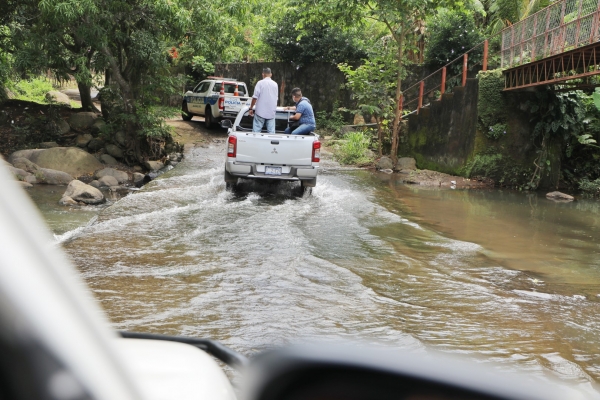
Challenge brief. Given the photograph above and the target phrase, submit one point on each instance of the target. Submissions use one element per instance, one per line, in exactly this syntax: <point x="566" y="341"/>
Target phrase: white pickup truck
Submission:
<point x="261" y="155"/>
<point x="215" y="99"/>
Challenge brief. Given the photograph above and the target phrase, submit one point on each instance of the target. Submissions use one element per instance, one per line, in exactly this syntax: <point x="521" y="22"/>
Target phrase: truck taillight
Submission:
<point x="316" y="155"/>
<point x="221" y="101"/>
<point x="232" y="146"/>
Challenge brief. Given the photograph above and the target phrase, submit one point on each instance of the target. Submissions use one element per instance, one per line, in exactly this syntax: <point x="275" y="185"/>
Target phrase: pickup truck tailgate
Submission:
<point x="274" y="149"/>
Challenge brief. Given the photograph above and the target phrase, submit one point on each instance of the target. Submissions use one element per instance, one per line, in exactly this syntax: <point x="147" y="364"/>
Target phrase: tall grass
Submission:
<point x="32" y="89"/>
<point x="354" y="148"/>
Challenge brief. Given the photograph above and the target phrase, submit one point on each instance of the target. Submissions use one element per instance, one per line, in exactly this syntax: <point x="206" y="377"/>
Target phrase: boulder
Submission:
<point x="95" y="144"/>
<point x="120" y="175"/>
<point x="358" y="120"/>
<point x="28" y="154"/>
<point x="138" y="179"/>
<point x="384" y="163"/>
<point x="108" y="159"/>
<point x="114" y="151"/>
<point x="95" y="184"/>
<point x="82" y="120"/>
<point x="84" y="193"/>
<point x="20" y="174"/>
<point x="25" y="164"/>
<point x="67" y="201"/>
<point x="154" y="165"/>
<point x="72" y="160"/>
<point x="52" y="177"/>
<point x="120" y="138"/>
<point x="406" y="163"/>
<point x="63" y="126"/>
<point x="47" y="145"/>
<point x="31" y="179"/>
<point x="58" y="97"/>
<point x="108" y="180"/>
<point x="98" y="125"/>
<point x="558" y="196"/>
<point x="82" y="140"/>
<point x="138" y="168"/>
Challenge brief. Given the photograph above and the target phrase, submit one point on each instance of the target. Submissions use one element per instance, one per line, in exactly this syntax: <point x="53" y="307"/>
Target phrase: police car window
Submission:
<point x="201" y="87"/>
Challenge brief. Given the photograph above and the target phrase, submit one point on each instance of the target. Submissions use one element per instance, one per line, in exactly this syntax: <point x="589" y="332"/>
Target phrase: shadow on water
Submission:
<point x="272" y="192"/>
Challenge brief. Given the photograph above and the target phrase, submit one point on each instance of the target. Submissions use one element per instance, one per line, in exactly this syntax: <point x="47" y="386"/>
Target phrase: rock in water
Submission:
<point x="559" y="196"/>
<point x="121" y="176"/>
<point x="72" y="160"/>
<point x="84" y="193"/>
<point x="384" y="163"/>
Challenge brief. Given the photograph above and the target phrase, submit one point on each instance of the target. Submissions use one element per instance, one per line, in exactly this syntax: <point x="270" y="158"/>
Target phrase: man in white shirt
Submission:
<point x="265" y="98"/>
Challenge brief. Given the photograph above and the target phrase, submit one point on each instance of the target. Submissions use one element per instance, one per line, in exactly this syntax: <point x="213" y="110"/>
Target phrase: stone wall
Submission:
<point x="320" y="82"/>
<point x="442" y="137"/>
<point x="453" y="135"/>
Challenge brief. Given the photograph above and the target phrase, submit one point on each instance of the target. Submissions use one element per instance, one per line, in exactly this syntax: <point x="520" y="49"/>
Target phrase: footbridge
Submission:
<point x="559" y="45"/>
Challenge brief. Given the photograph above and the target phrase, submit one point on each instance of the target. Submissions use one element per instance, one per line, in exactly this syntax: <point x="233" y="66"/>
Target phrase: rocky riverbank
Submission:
<point x="57" y="145"/>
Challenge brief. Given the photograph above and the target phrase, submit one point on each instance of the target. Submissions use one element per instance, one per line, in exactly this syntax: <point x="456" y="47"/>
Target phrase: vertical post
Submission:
<point x="443" y="87"/>
<point x="421" y="89"/>
<point x="485" y="56"/>
<point x="464" y="75"/>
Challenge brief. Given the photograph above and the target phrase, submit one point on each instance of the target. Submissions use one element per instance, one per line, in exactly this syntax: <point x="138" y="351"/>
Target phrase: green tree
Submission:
<point x="312" y="42"/>
<point x="402" y="18"/>
<point x="452" y="33"/>
<point x="127" y="39"/>
<point x="373" y="87"/>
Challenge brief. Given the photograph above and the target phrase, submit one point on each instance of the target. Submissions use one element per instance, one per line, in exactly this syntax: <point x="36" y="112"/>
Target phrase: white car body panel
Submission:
<point x="257" y="151"/>
<point x="43" y="296"/>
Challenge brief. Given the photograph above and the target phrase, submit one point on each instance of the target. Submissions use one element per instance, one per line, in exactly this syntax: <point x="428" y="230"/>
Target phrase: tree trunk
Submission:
<point x="398" y="113"/>
<point x="85" y="93"/>
<point x="380" y="136"/>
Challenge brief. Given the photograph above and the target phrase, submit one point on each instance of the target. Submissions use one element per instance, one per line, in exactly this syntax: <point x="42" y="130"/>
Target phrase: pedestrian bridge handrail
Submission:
<point x="562" y="26"/>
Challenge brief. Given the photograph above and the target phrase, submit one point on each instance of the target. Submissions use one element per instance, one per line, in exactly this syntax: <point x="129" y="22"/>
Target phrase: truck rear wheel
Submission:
<point x="185" y="114"/>
<point x="208" y="117"/>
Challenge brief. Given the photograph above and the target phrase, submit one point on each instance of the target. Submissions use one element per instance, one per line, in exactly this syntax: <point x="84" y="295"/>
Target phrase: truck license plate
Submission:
<point x="272" y="170"/>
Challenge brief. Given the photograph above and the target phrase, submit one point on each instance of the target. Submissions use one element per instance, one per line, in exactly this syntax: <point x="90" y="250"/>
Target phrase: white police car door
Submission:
<point x="198" y="98"/>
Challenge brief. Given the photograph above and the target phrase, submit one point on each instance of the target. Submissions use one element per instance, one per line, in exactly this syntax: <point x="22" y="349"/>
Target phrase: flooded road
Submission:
<point x="503" y="276"/>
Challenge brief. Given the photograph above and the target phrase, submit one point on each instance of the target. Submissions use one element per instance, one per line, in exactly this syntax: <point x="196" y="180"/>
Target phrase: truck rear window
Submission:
<point x="230" y="88"/>
<point x="281" y="121"/>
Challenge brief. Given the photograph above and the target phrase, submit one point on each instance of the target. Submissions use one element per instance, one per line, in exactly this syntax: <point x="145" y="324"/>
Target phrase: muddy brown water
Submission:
<point x="501" y="276"/>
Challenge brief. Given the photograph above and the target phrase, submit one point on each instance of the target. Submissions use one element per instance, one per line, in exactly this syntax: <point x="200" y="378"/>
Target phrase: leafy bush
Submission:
<point x="314" y="42"/>
<point x="354" y="148"/>
<point x="496" y="131"/>
<point x="330" y="122"/>
<point x="33" y="89"/>
<point x="452" y="33"/>
<point x="590" y="187"/>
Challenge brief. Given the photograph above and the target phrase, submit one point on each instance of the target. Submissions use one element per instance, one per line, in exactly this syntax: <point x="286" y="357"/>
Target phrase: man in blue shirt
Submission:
<point x="265" y="98"/>
<point x="304" y="114"/>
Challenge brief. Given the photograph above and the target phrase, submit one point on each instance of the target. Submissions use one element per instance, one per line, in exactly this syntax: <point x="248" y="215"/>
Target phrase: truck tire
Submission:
<point x="208" y="117"/>
<point x="308" y="182"/>
<point x="185" y="114"/>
